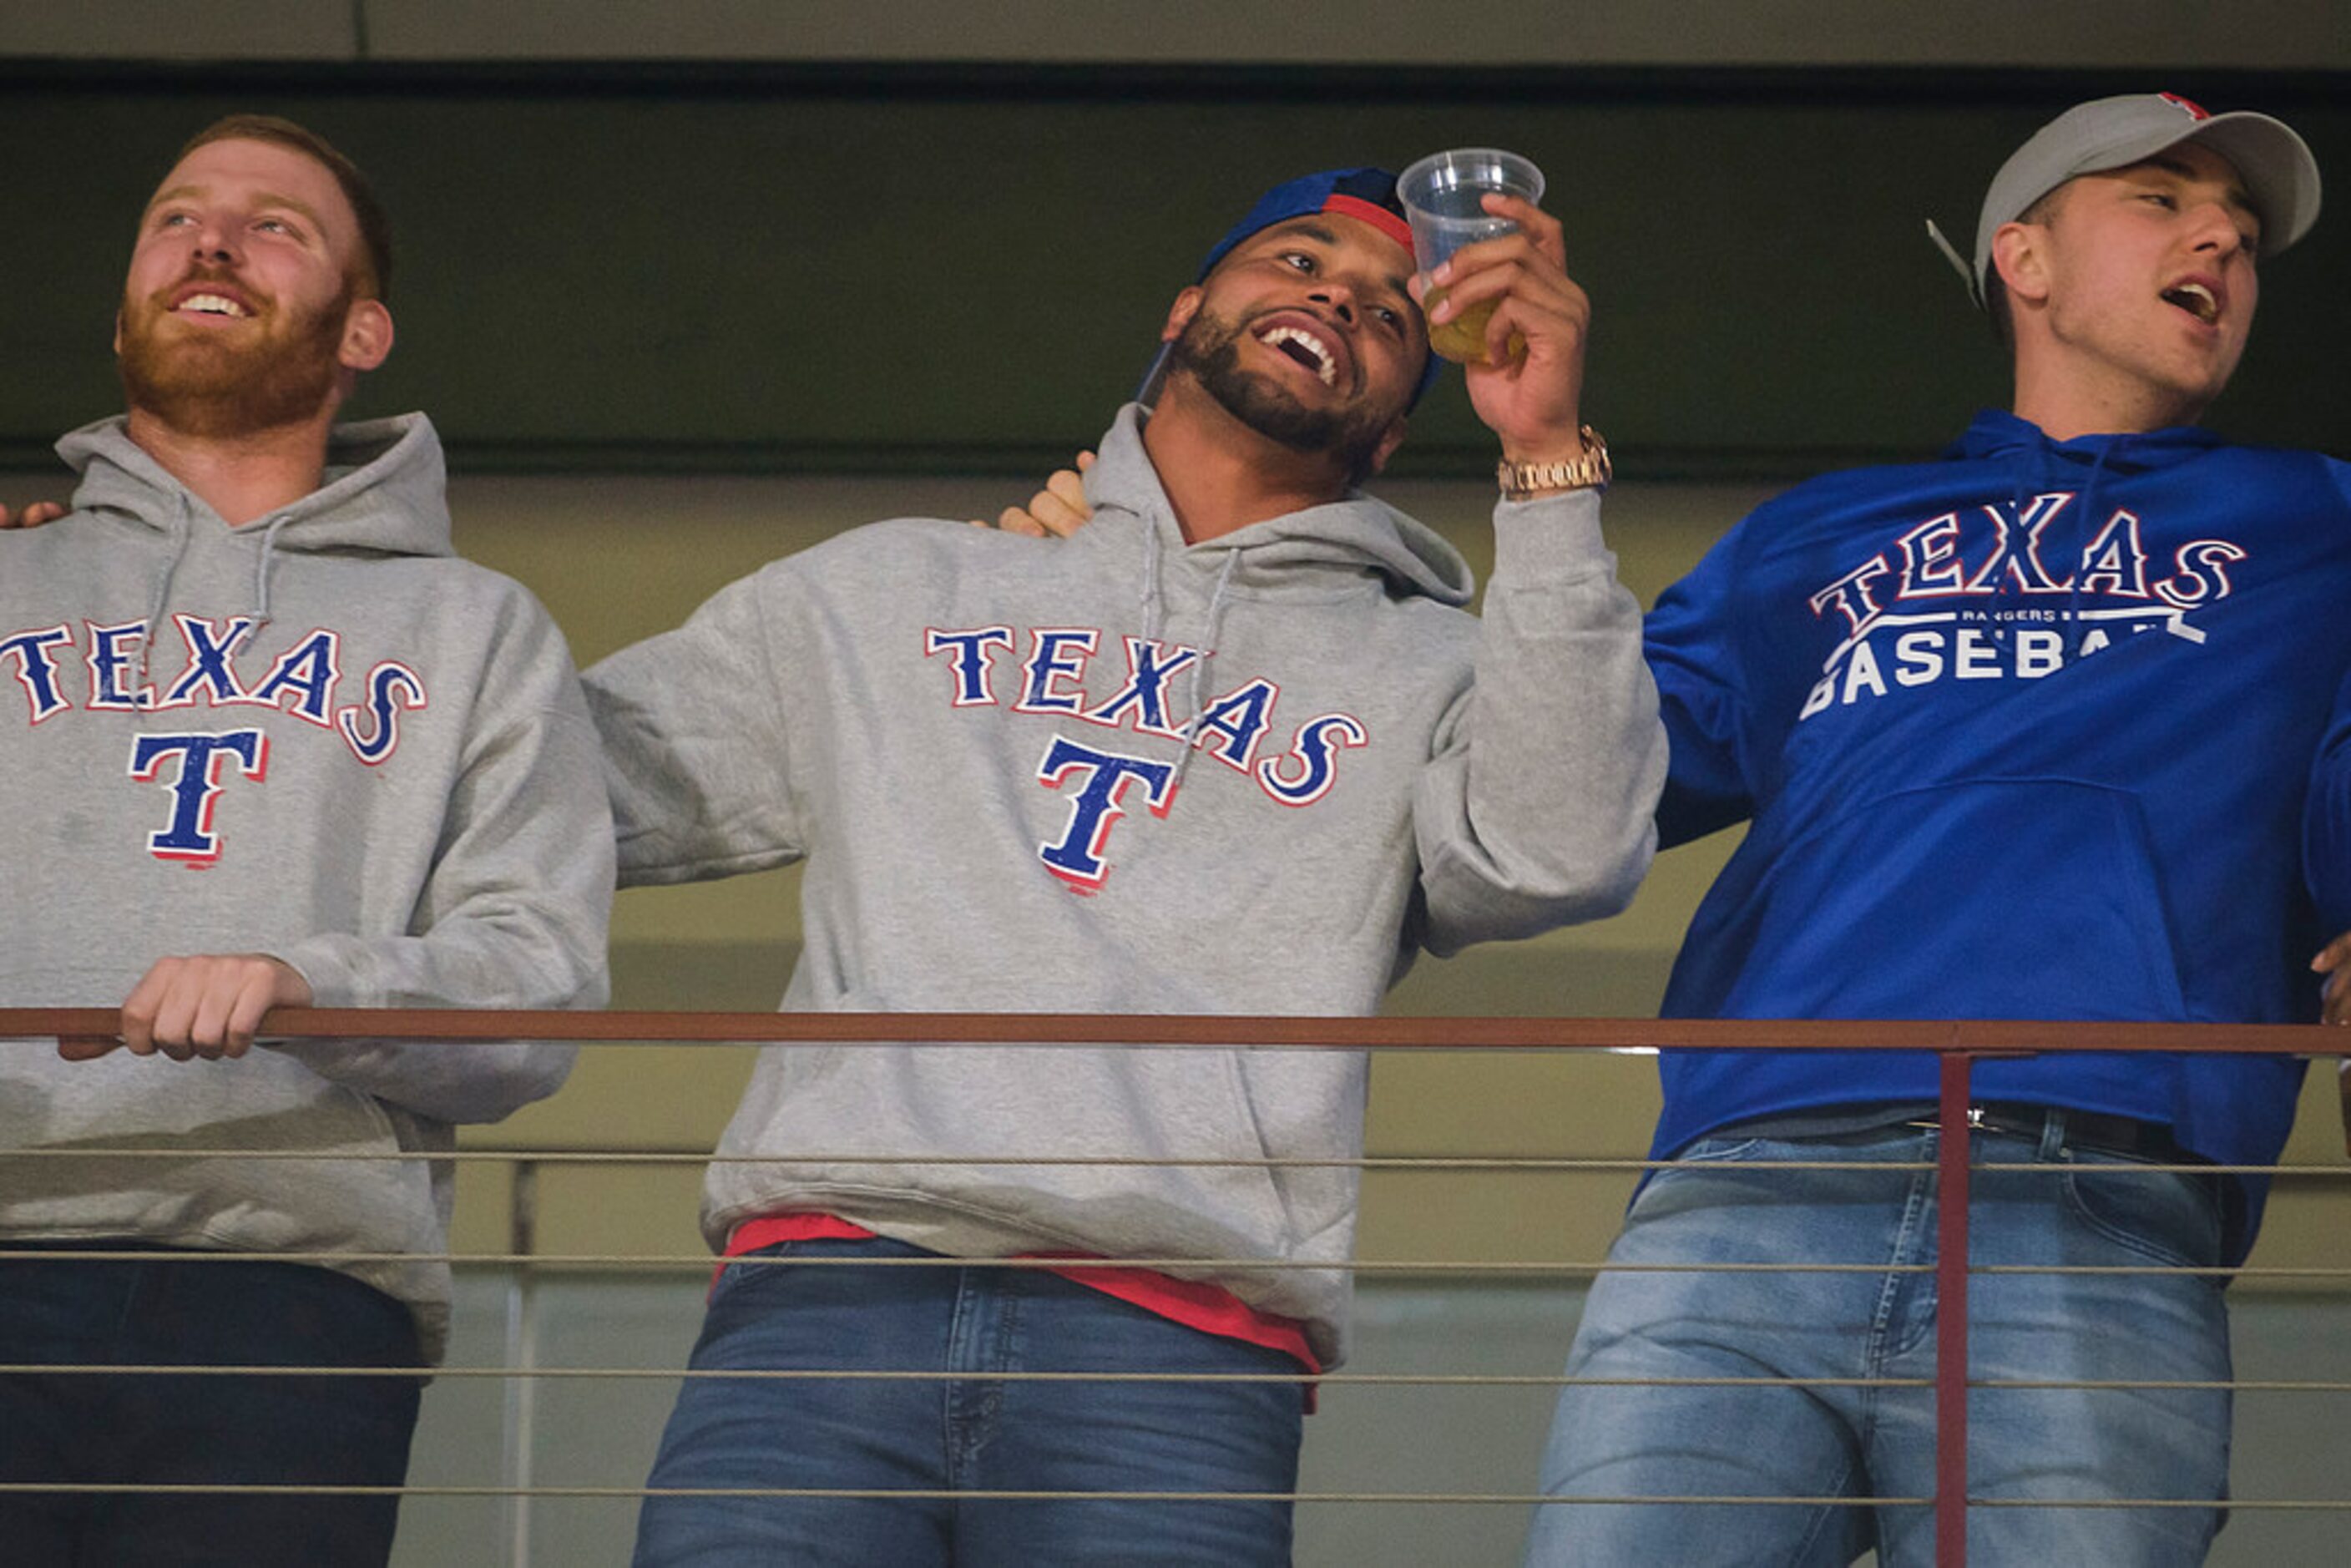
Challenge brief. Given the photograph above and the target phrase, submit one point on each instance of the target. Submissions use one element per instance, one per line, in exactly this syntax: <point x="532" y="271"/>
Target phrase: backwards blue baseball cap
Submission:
<point x="1367" y="195"/>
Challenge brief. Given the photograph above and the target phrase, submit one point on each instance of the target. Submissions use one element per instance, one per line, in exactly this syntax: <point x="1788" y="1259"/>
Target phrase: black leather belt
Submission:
<point x="2092" y="1129"/>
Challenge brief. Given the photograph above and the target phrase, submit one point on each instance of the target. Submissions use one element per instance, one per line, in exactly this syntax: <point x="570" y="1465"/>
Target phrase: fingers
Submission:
<point x="207" y="1006"/>
<point x="1538" y="225"/>
<point x="86" y="1047"/>
<point x="1057" y="511"/>
<point x="1527" y="289"/>
<point x="1016" y="520"/>
<point x="32" y="516"/>
<point x="1527" y="386"/>
<point x="1061" y="507"/>
<point x="2333" y="961"/>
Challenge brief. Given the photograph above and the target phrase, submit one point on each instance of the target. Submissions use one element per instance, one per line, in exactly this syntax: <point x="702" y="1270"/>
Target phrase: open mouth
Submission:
<point x="212" y="305"/>
<point x="1306" y="349"/>
<point x="2196" y="299"/>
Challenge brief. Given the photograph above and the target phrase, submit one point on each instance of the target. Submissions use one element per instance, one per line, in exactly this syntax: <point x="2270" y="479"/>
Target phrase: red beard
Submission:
<point x="218" y="385"/>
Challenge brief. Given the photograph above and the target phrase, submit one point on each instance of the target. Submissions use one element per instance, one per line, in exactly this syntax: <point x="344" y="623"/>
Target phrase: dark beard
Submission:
<point x="213" y="390"/>
<point x="1209" y="348"/>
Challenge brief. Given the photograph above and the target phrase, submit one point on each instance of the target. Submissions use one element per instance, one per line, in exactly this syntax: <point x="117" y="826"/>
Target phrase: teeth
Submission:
<point x="1324" y="365"/>
<point x="2196" y="299"/>
<point x="213" y="305"/>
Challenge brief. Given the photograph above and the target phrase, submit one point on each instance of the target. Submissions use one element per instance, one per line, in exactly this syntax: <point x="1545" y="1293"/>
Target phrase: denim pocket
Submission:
<point x="1705" y="1149"/>
<point x="736" y="1271"/>
<point x="2172" y="1216"/>
<point x="1668" y="1191"/>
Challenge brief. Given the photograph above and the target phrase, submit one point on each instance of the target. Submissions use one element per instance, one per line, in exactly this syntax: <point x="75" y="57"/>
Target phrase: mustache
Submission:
<point x="202" y="272"/>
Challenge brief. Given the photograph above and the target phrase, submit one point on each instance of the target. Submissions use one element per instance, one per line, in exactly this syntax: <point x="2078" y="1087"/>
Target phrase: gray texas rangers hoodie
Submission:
<point x="320" y="735"/>
<point x="1126" y="774"/>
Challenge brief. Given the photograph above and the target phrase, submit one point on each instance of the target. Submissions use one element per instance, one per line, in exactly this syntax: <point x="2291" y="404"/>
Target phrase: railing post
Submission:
<point x="522" y="1357"/>
<point x="1952" y="1148"/>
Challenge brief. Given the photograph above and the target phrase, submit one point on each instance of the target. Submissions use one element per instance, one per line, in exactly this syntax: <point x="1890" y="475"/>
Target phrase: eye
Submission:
<point x="1298" y="261"/>
<point x="274" y="225"/>
<point x="2160" y="198"/>
<point x="1389" y="317"/>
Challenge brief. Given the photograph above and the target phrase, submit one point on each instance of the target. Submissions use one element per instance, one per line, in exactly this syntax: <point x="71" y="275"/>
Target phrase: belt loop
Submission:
<point x="2053" y="1134"/>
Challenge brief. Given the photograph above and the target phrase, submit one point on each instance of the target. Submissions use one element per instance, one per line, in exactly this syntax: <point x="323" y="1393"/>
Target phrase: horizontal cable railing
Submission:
<point x="1978" y="1037"/>
<point x="1957" y="1042"/>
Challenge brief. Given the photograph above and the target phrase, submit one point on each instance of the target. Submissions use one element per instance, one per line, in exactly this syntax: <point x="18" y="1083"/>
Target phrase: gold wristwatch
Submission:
<point x="1522" y="481"/>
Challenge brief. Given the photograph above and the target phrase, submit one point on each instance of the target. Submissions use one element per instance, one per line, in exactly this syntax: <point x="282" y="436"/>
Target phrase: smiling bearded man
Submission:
<point x="1209" y="349"/>
<point x="206" y="383"/>
<point x="251" y="653"/>
<point x="1221" y="753"/>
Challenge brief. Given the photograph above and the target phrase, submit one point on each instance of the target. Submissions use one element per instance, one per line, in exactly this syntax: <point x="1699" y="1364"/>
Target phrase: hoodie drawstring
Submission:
<point x="2085" y="513"/>
<point x="182" y="530"/>
<point x="1201" y="666"/>
<point x="1153" y="612"/>
<point x="261" y="570"/>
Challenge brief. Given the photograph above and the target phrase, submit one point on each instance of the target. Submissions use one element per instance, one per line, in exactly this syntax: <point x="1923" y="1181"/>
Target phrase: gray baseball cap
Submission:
<point x="2275" y="164"/>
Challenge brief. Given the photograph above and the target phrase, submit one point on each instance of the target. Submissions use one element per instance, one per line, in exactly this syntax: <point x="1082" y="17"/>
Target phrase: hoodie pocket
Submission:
<point x="1293" y="1105"/>
<point x="2011" y="898"/>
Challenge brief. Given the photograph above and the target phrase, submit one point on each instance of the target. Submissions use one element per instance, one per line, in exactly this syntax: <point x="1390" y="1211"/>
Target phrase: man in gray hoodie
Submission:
<point x="275" y="747"/>
<point x="1223" y="752"/>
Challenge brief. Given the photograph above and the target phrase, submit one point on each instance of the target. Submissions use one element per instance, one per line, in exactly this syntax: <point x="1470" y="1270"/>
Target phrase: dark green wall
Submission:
<point x="795" y="268"/>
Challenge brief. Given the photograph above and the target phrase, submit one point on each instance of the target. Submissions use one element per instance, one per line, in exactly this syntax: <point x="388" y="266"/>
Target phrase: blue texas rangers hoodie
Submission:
<point x="2024" y="733"/>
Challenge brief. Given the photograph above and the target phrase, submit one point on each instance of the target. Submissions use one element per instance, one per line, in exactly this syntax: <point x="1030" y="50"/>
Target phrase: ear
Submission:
<point x="2019" y="253"/>
<point x="367" y="336"/>
<point x="1180" y="314"/>
<point x="1390" y="439"/>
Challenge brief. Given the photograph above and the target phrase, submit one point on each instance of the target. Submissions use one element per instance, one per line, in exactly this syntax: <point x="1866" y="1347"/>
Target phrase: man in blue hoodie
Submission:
<point x="2052" y="728"/>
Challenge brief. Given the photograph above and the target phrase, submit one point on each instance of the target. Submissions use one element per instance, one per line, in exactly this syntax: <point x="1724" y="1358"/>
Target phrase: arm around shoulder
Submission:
<point x="696" y="749"/>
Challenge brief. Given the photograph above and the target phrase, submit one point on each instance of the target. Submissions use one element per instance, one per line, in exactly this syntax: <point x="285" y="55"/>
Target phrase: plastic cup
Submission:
<point x="1443" y="196"/>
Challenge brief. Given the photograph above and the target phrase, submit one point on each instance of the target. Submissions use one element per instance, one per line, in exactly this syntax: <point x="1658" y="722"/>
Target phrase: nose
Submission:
<point x="2216" y="228"/>
<point x="214" y="240"/>
<point x="1339" y="296"/>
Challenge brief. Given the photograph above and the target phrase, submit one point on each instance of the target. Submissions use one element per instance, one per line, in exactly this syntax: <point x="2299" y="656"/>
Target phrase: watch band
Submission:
<point x="1590" y="472"/>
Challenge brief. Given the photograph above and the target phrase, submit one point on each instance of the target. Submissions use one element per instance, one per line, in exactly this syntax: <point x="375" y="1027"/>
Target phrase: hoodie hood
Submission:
<point x="383" y="492"/>
<point x="1356" y="534"/>
<point x="2085" y="464"/>
<point x="1997" y="434"/>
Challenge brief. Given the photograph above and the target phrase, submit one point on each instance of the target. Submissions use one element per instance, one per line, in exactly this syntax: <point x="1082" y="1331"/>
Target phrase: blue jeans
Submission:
<point x="967" y="1433"/>
<point x="208" y="1430"/>
<point x="2031" y="1205"/>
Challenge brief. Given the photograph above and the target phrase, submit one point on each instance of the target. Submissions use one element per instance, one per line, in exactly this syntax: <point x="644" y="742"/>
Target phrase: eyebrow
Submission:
<point x="2232" y="193"/>
<point x="1396" y="281"/>
<point x="265" y="199"/>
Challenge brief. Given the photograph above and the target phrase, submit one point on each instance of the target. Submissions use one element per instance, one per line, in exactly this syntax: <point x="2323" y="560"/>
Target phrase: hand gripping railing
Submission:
<point x="1959" y="1042"/>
